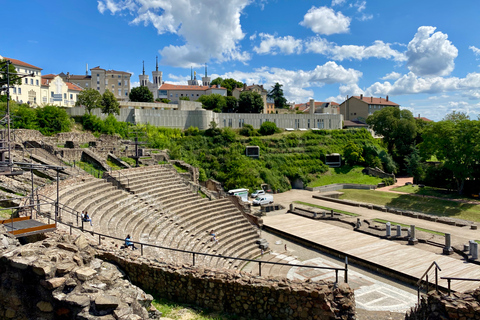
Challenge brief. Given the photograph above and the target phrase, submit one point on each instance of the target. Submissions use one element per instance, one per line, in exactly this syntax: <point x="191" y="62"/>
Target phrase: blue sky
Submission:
<point x="424" y="55"/>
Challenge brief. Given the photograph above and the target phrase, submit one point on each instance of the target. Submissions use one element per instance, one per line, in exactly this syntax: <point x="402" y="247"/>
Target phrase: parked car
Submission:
<point x="257" y="193"/>
<point x="263" y="199"/>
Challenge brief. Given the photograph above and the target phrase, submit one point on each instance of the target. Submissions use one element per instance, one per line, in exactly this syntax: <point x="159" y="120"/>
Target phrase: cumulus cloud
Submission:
<point x="337" y="2"/>
<point x="430" y="53"/>
<point x="296" y="83"/>
<point x="475" y="50"/>
<point x="392" y="76"/>
<point x="413" y="84"/>
<point x="270" y="44"/>
<point x="326" y="21"/>
<point x="209" y="31"/>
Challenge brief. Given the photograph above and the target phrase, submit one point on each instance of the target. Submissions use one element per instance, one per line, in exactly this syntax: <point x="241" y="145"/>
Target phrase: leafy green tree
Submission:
<point x="232" y="105"/>
<point x="228" y="84"/>
<point x="185" y="98"/>
<point x="24" y="117"/>
<point x="415" y="167"/>
<point x="398" y="128"/>
<point x="141" y="94"/>
<point x="277" y="95"/>
<point x="215" y="102"/>
<point x="52" y="120"/>
<point x="90" y="98"/>
<point x="14" y="79"/>
<point x="163" y="100"/>
<point x="109" y="103"/>
<point x="456" y="144"/>
<point x="268" y="128"/>
<point x="353" y="153"/>
<point x="250" y="102"/>
<point x="456" y="116"/>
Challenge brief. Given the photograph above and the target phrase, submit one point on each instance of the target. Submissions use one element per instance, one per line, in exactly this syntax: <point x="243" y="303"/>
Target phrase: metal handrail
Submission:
<point x="449" y="279"/>
<point x="194" y="253"/>
<point x="425" y="275"/>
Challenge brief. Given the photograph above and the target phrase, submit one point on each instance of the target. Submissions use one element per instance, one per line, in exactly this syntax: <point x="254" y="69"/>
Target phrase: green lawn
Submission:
<point x="326" y="208"/>
<point x="176" y="311"/>
<point x="408" y="226"/>
<point x="344" y="174"/>
<point x="5" y="213"/>
<point x="438" y="207"/>
<point x="431" y="191"/>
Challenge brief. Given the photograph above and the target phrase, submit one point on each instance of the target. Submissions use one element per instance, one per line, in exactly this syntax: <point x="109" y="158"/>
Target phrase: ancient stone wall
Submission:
<point x="376" y="172"/>
<point x="237" y="292"/>
<point x="438" y="306"/>
<point x="79" y="137"/>
<point x="60" y="278"/>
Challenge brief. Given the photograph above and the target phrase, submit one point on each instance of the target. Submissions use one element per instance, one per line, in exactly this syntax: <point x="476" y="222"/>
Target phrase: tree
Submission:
<point x="109" y="103"/>
<point x="268" y="128"/>
<point x="232" y="105"/>
<point x="250" y="102"/>
<point x="277" y="95"/>
<point x="228" y="84"/>
<point x="215" y="102"/>
<point x="398" y="128"/>
<point x="456" y="116"/>
<point x="415" y="167"/>
<point x="353" y="153"/>
<point x="456" y="144"/>
<point x="13" y="77"/>
<point x="162" y="100"/>
<point x="52" y="120"/>
<point x="185" y="98"/>
<point x="141" y="94"/>
<point x="90" y="98"/>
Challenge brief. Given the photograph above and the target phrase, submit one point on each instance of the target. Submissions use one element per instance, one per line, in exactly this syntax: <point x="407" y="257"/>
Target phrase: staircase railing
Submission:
<point x="449" y="280"/>
<point x="425" y="275"/>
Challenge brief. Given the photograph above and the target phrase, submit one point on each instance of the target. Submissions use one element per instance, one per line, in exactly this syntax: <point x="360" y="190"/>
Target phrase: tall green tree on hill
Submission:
<point x="228" y="84"/>
<point x="140" y="94"/>
<point x="277" y="95"/>
<point x="250" y="102"/>
<point x="109" y="103"/>
<point x="399" y="130"/>
<point x="90" y="98"/>
<point x="215" y="102"/>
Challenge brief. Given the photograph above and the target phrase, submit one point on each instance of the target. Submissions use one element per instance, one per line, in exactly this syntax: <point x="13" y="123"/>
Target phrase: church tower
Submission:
<point x="157" y="76"/>
<point x="143" y="77"/>
<point x="206" y="79"/>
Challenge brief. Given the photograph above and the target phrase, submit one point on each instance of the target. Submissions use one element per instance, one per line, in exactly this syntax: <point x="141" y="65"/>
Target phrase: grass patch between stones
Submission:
<point x="326" y="208"/>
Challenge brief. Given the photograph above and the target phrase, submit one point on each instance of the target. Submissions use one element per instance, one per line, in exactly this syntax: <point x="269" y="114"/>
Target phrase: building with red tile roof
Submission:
<point x="320" y="107"/>
<point x="360" y="107"/>
<point x="55" y="91"/>
<point x="258" y="88"/>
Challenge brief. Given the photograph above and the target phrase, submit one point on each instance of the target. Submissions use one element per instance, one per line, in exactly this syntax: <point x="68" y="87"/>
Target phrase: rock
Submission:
<point x="43" y="269"/>
<point x="81" y="242"/>
<point x="85" y="274"/>
<point x="105" y="302"/>
<point x="78" y="300"/>
<point x="63" y="268"/>
<point x="45" y="306"/>
<point x="67" y="247"/>
<point x="21" y="263"/>
<point x="53" y="283"/>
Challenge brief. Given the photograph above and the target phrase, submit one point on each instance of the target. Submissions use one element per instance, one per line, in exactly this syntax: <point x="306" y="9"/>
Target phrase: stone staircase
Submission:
<point x="155" y="206"/>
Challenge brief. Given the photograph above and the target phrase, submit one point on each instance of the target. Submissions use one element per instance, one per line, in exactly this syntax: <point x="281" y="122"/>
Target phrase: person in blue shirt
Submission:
<point x="129" y="243"/>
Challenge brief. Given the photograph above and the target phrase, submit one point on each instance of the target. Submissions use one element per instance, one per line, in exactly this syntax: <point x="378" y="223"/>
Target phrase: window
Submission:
<point x="308" y="124"/>
<point x="192" y="94"/>
<point x="14" y="90"/>
<point x="176" y="95"/>
<point x="119" y="83"/>
<point x="26" y="81"/>
<point x="98" y="82"/>
<point x="31" y="82"/>
<point x="119" y="92"/>
<point x="36" y="82"/>
<point x="19" y="90"/>
<point x="126" y="93"/>
<point x="71" y="96"/>
<point x="98" y="75"/>
<point x="119" y="76"/>
<point x="98" y="88"/>
<point x="64" y="96"/>
<point x="181" y="94"/>
<point x="230" y="123"/>
<point x="86" y="84"/>
<point x="51" y="94"/>
<point x="126" y="83"/>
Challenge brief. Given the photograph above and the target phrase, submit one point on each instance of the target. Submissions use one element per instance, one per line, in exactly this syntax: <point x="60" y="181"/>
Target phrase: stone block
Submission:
<point x="43" y="269"/>
<point x="78" y="300"/>
<point x="45" y="306"/>
<point x="67" y="247"/>
<point x="85" y="274"/>
<point x="53" y="283"/>
<point x="81" y="242"/>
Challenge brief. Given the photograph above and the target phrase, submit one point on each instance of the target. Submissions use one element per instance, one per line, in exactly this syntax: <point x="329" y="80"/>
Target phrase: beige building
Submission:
<point x="29" y="91"/>
<point x="255" y="88"/>
<point x="360" y="107"/>
<point x="174" y="92"/>
<point x="318" y="107"/>
<point x="55" y="91"/>
<point x="117" y="82"/>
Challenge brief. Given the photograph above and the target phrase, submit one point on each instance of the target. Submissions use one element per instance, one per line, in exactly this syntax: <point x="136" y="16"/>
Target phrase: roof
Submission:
<point x="424" y="119"/>
<point x="78" y="77"/>
<point x="115" y="71"/>
<point x="21" y="63"/>
<point x="353" y="123"/>
<point x="373" y="100"/>
<point x="72" y="86"/>
<point x="168" y="86"/>
<point x="318" y="104"/>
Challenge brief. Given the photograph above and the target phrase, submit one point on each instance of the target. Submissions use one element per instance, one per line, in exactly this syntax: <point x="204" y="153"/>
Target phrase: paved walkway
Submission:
<point x="460" y="235"/>
<point x="398" y="258"/>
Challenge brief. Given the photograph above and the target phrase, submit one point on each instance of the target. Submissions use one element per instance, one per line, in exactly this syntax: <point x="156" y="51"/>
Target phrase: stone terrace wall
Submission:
<point x="237" y="292"/>
<point x="457" y="306"/>
<point x="378" y="173"/>
<point x="339" y="186"/>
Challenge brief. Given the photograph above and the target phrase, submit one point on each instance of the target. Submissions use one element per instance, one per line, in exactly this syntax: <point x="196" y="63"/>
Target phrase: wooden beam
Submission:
<point x="14" y="220"/>
<point x="33" y="229"/>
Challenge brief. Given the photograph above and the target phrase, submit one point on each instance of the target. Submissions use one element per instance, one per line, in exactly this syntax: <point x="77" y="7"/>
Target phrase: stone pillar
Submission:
<point x="474" y="250"/>
<point x="389" y="229"/>
<point x="412" y="239"/>
<point x="448" y="244"/>
<point x="291" y="207"/>
<point x="324" y="215"/>
<point x="470" y="246"/>
<point x="399" y="231"/>
<point x="331" y="213"/>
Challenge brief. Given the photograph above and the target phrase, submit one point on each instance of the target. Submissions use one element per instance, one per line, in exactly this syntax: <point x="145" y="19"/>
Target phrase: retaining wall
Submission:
<point x="339" y="186"/>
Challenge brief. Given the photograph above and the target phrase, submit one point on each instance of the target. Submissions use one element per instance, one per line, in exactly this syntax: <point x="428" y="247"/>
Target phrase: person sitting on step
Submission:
<point x="129" y="243"/>
<point x="87" y="218"/>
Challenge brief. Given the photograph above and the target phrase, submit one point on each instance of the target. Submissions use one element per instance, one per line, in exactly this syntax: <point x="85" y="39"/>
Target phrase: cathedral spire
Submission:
<point x="205" y="69"/>
<point x="143" y="72"/>
<point x="157" y="63"/>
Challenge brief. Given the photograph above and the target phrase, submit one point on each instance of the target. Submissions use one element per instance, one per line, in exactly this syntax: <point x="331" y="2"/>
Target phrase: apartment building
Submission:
<point x="360" y="107"/>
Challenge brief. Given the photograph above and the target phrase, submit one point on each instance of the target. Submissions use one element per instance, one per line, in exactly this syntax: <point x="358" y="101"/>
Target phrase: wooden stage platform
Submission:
<point x="404" y="260"/>
<point x="25" y="226"/>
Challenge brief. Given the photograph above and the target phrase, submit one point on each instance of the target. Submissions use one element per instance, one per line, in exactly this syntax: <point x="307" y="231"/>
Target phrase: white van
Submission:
<point x="242" y="193"/>
<point x="263" y="199"/>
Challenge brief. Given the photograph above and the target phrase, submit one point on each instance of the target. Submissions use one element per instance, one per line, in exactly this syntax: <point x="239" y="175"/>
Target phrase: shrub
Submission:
<point x="388" y="181"/>
<point x="248" y="130"/>
<point x="268" y="128"/>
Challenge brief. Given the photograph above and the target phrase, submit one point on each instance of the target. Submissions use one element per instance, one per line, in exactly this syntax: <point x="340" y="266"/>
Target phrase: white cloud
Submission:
<point x="365" y="17"/>
<point x="326" y="21"/>
<point x="430" y="53"/>
<point x="134" y="84"/>
<point x="475" y="50"/>
<point x="360" y="5"/>
<point x="392" y="76"/>
<point x="210" y="30"/>
<point x="413" y="84"/>
<point x="296" y="82"/>
<point x="272" y="45"/>
<point x="378" y="49"/>
<point x="337" y="2"/>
